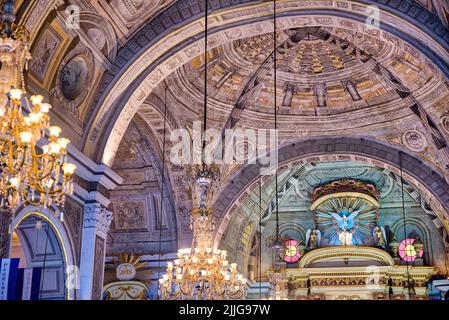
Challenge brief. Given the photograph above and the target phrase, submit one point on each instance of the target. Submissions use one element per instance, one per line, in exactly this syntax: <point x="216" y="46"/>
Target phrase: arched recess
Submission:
<point x="137" y="202"/>
<point x="404" y="227"/>
<point x="430" y="184"/>
<point x="70" y="269"/>
<point x="127" y="85"/>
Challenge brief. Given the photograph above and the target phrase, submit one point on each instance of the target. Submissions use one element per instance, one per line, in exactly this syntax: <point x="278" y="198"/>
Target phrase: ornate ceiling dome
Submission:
<point x="320" y="71"/>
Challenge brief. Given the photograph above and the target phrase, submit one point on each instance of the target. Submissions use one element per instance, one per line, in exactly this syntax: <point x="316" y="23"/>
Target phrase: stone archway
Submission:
<point x="430" y="184"/>
<point x="59" y="242"/>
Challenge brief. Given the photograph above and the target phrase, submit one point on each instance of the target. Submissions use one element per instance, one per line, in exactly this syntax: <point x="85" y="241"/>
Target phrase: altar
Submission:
<point x="348" y="254"/>
<point x="353" y="273"/>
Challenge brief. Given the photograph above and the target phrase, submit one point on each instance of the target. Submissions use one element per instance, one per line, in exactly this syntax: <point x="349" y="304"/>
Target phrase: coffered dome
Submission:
<point x="319" y="72"/>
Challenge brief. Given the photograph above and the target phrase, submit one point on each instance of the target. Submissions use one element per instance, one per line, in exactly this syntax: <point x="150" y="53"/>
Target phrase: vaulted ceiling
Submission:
<point x="130" y="64"/>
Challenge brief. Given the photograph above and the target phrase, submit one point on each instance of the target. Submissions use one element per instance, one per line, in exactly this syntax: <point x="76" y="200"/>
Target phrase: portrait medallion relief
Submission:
<point x="414" y="140"/>
<point x="74" y="80"/>
<point x="74" y="77"/>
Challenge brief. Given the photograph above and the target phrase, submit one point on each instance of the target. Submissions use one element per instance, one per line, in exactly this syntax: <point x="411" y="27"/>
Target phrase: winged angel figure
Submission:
<point x="346" y="220"/>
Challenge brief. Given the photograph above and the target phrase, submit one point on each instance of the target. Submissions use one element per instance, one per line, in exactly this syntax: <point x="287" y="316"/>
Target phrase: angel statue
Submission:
<point x="380" y="236"/>
<point x="313" y="238"/>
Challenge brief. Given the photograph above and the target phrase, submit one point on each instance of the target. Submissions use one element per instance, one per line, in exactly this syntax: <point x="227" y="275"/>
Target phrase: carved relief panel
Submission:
<point x="130" y="215"/>
<point x="98" y="268"/>
<point x="43" y="52"/>
<point x="131" y="12"/>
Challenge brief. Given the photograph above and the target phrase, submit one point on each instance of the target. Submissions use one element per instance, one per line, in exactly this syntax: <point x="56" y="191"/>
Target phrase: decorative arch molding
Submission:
<point x="284" y="227"/>
<point x="146" y="60"/>
<point x="62" y="235"/>
<point x="33" y="15"/>
<point x="428" y="182"/>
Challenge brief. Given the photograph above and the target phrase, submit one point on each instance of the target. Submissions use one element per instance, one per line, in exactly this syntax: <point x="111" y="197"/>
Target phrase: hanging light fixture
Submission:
<point x="33" y="156"/>
<point x="202" y="272"/>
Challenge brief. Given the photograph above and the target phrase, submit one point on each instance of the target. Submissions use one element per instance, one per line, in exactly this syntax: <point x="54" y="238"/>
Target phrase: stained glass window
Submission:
<point x="246" y="235"/>
<point x="292" y="253"/>
<point x="408" y="252"/>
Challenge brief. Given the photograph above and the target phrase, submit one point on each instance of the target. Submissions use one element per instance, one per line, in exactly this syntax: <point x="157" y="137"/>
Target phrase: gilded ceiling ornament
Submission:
<point x="346" y="185"/>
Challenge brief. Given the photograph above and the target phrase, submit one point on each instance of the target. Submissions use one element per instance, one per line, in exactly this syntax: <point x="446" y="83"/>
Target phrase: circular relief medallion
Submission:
<point x="74" y="77"/>
<point x="125" y="272"/>
<point x="414" y="140"/>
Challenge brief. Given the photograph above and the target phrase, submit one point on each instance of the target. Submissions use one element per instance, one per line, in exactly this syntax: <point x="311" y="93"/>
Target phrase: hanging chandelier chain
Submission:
<point x="277" y="236"/>
<point x="201" y="272"/>
<point x="203" y="146"/>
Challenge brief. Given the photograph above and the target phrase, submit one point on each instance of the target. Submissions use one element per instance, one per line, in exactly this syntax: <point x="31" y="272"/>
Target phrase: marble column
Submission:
<point x="96" y="222"/>
<point x="5" y="236"/>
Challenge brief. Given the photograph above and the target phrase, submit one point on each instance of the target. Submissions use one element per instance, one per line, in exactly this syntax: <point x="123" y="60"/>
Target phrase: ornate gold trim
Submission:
<point x="354" y="194"/>
<point x="328" y="253"/>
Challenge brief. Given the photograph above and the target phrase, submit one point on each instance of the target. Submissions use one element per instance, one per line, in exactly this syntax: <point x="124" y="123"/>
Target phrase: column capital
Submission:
<point x="97" y="216"/>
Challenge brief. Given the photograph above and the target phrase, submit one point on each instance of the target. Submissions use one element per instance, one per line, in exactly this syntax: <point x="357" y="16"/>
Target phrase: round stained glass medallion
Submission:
<point x="292" y="253"/>
<point x="407" y="250"/>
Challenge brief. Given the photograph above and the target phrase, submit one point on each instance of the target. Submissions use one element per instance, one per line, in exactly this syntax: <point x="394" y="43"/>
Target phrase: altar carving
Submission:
<point x="355" y="272"/>
<point x="346" y="212"/>
<point x="127" y="279"/>
<point x="347" y="255"/>
<point x="125" y="290"/>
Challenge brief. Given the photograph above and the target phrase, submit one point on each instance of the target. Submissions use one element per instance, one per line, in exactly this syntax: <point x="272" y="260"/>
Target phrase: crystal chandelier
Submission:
<point x="201" y="272"/>
<point x="32" y="154"/>
<point x="202" y="180"/>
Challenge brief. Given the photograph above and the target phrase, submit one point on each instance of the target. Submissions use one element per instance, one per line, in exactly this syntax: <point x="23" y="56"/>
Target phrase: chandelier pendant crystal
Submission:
<point x="33" y="157"/>
<point x="201" y="272"/>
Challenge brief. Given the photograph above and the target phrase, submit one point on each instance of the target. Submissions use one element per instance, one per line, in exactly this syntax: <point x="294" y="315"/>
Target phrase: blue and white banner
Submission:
<point x="8" y="278"/>
<point x="28" y="284"/>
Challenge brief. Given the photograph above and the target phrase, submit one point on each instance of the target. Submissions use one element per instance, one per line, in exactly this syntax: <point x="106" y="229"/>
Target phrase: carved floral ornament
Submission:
<point x="96" y="216"/>
<point x="415" y="140"/>
<point x="346" y="185"/>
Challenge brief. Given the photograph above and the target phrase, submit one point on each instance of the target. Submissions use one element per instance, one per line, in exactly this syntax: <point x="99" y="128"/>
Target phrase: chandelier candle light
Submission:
<point x="201" y="272"/>
<point x="33" y="156"/>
